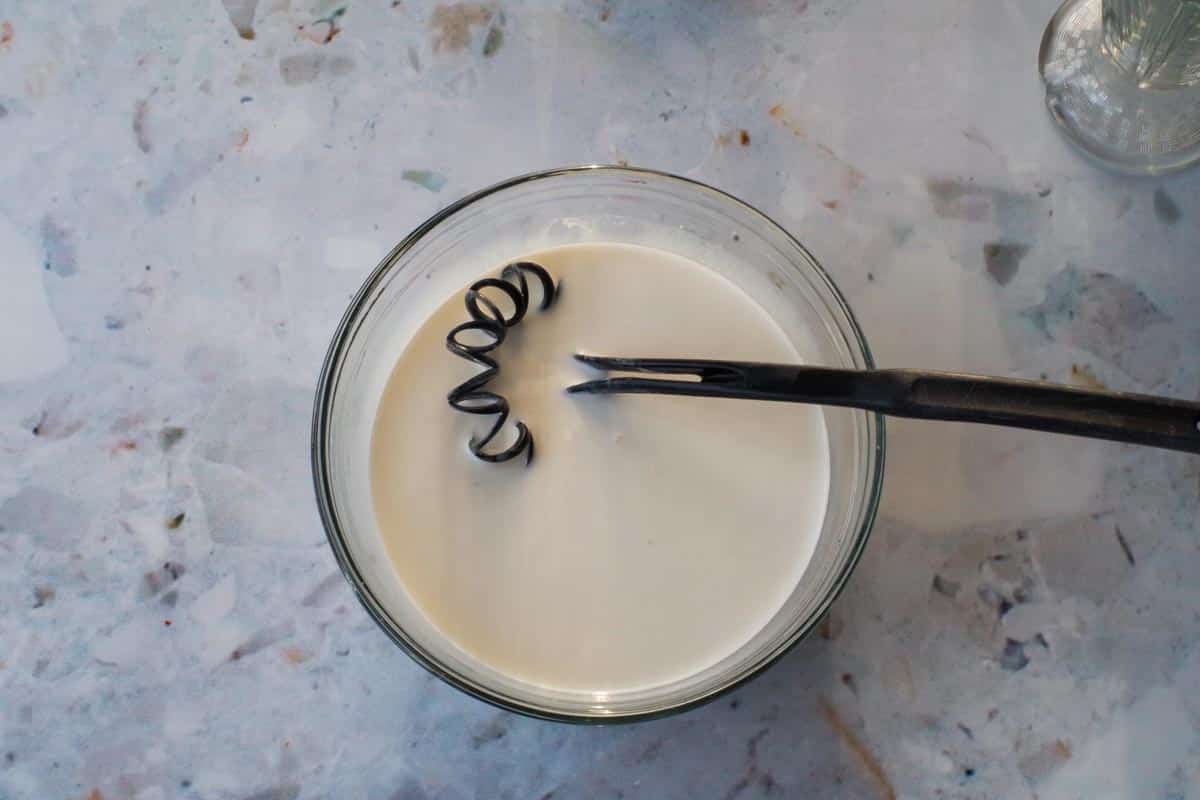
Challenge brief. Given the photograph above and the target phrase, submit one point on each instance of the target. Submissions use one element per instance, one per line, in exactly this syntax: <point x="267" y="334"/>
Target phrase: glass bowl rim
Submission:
<point x="327" y="385"/>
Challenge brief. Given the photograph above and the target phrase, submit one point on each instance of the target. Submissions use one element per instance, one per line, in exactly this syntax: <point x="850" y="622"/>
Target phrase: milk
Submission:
<point x="651" y="536"/>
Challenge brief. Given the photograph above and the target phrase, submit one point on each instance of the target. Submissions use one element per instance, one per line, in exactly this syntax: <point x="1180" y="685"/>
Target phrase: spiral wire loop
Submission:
<point x="490" y="324"/>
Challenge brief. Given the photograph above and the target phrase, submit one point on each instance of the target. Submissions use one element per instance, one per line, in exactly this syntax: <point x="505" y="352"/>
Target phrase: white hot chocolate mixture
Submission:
<point x="651" y="536"/>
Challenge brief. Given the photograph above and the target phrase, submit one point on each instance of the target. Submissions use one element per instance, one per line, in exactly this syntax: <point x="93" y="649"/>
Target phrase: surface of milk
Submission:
<point x="651" y="536"/>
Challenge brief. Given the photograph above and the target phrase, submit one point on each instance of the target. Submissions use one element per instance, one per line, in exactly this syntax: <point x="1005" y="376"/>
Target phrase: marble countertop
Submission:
<point x="191" y="192"/>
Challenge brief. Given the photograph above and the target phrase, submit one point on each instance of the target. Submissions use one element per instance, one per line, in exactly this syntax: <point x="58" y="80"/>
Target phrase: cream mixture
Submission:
<point x="651" y="536"/>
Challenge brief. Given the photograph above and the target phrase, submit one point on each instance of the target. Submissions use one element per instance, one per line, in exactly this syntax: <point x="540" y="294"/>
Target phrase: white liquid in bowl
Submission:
<point x="652" y="536"/>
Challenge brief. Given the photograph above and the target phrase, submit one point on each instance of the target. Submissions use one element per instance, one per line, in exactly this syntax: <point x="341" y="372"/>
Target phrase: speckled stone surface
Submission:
<point x="189" y="195"/>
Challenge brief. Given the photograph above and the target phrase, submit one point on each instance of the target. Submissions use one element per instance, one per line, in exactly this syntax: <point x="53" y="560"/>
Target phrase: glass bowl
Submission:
<point x="535" y="212"/>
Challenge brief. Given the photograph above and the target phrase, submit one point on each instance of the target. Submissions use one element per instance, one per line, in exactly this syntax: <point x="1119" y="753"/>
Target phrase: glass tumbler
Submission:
<point x="1123" y="81"/>
<point x="529" y="213"/>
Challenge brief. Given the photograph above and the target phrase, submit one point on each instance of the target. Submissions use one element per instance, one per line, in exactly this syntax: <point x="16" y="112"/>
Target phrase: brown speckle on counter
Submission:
<point x="1083" y="375"/>
<point x="241" y="16"/>
<point x="858" y="748"/>
<point x="296" y="655"/>
<point x="263" y="639"/>
<point x="830" y="627"/>
<point x="324" y="30"/>
<point x="452" y="24"/>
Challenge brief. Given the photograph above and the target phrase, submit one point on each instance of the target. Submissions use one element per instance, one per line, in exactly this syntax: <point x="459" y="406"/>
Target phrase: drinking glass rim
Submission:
<point x="357" y="311"/>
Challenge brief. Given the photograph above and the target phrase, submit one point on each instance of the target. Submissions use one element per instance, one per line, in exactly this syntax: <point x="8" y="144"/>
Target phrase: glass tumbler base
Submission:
<point x="1103" y="111"/>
